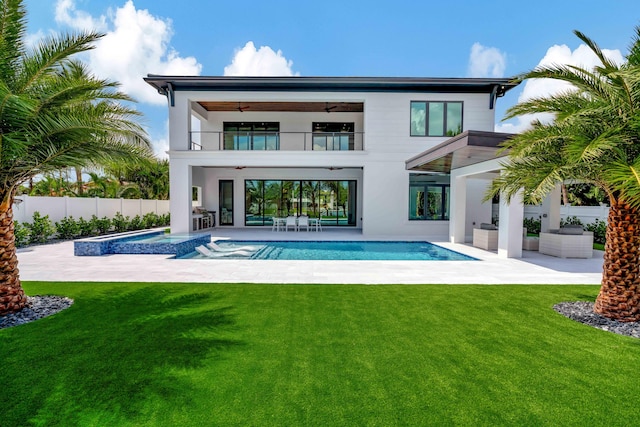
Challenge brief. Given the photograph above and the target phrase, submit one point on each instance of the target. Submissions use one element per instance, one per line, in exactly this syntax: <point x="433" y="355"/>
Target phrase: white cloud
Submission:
<point x="135" y="44"/>
<point x="582" y="56"/>
<point x="250" y="61"/>
<point x="66" y="13"/>
<point x="486" y="61"/>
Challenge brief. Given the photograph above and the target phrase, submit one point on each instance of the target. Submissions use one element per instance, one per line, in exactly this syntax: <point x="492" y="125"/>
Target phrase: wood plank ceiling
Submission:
<point x="304" y="107"/>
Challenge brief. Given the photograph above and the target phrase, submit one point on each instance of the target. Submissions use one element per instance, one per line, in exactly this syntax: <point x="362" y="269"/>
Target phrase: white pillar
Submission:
<point x="510" y="227"/>
<point x="457" y="208"/>
<point x="180" y="187"/>
<point x="551" y="210"/>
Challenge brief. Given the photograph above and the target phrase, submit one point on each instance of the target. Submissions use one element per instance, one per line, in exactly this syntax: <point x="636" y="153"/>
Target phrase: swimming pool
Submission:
<point x="141" y="242"/>
<point x="345" y="250"/>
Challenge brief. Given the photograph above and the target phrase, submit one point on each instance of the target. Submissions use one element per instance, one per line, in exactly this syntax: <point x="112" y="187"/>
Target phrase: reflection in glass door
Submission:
<point x="226" y="202"/>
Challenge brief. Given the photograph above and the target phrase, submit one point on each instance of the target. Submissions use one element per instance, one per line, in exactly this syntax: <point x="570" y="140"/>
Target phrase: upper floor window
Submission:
<point x="333" y="136"/>
<point x="439" y="118"/>
<point x="251" y="136"/>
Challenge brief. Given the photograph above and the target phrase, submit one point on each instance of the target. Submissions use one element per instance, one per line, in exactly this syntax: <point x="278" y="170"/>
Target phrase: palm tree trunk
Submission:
<point x="619" y="296"/>
<point x="12" y="297"/>
<point x="79" y="183"/>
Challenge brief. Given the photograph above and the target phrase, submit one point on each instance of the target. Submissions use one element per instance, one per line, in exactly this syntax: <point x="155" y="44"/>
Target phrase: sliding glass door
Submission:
<point x="334" y="202"/>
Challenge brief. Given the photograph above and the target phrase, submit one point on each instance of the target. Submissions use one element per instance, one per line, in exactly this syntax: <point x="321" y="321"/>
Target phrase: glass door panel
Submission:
<point x="226" y="202"/>
<point x="434" y="202"/>
<point x="254" y="202"/>
<point x="416" y="202"/>
<point x="273" y="200"/>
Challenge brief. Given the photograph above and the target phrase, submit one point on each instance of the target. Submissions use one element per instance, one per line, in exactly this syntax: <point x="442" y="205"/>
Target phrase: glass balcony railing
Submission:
<point x="277" y="141"/>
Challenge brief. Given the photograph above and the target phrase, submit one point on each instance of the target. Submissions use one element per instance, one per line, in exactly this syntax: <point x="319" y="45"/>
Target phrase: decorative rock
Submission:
<point x="37" y="307"/>
<point x="582" y="311"/>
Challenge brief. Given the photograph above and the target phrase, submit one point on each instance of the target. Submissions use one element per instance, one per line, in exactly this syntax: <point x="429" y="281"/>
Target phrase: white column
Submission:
<point x="551" y="210"/>
<point x="510" y="227"/>
<point x="179" y="124"/>
<point x="180" y="187"/>
<point x="457" y="208"/>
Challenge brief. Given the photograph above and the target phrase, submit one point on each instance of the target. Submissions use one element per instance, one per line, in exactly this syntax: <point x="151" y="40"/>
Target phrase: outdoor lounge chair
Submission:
<point x="216" y="248"/>
<point x="203" y="250"/>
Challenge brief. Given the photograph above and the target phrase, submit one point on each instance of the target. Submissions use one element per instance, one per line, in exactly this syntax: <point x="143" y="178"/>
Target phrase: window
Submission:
<point x="334" y="202"/>
<point x="251" y="136"/>
<point x="436" y="118"/>
<point x="333" y="136"/>
<point x="428" y="197"/>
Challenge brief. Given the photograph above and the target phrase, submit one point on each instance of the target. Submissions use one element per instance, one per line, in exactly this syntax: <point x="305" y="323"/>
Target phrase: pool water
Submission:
<point x="348" y="250"/>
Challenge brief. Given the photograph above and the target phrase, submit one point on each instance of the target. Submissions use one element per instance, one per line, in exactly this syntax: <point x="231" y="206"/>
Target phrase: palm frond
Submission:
<point x="12" y="31"/>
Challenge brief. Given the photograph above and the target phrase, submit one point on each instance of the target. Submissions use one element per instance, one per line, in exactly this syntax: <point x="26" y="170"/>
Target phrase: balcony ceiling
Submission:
<point x="303" y="107"/>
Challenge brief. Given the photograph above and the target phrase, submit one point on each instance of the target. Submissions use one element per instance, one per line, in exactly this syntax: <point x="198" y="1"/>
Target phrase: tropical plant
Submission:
<point x="594" y="138"/>
<point x="40" y="228"/>
<point x="54" y="115"/>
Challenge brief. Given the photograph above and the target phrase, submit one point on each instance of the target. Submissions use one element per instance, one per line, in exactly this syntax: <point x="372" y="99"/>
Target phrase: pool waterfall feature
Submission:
<point x="145" y="242"/>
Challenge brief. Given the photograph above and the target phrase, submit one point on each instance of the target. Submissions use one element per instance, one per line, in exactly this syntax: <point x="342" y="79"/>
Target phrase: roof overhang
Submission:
<point x="468" y="148"/>
<point x="497" y="87"/>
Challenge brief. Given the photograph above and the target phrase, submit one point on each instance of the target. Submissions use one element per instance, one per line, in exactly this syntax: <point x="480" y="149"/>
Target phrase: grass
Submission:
<point x="202" y="354"/>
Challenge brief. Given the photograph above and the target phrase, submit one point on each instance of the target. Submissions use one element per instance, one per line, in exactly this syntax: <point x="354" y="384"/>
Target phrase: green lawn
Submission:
<point x="258" y="355"/>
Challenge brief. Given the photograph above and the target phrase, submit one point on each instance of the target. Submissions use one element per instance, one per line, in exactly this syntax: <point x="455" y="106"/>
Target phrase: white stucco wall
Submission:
<point x="383" y="181"/>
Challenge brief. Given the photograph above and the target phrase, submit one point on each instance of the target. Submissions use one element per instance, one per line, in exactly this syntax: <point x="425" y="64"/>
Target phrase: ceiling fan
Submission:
<point x="241" y="108"/>
<point x="328" y="109"/>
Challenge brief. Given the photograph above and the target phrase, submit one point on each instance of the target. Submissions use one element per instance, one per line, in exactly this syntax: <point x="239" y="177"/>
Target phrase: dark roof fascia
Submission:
<point x="330" y="84"/>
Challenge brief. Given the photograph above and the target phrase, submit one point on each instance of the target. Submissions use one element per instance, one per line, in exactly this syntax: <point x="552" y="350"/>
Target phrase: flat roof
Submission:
<point x="468" y="148"/>
<point x="497" y="86"/>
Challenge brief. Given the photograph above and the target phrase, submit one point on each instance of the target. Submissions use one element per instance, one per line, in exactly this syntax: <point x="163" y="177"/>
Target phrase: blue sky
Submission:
<point x="334" y="38"/>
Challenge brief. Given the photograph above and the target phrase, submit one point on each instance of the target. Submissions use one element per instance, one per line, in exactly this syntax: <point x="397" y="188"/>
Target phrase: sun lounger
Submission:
<point x="217" y="248"/>
<point x="203" y="250"/>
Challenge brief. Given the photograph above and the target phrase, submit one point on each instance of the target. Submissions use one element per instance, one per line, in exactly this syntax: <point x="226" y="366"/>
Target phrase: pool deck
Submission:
<point x="56" y="262"/>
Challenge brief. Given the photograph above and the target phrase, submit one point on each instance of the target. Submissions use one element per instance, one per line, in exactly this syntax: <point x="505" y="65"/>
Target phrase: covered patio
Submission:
<point x="472" y="159"/>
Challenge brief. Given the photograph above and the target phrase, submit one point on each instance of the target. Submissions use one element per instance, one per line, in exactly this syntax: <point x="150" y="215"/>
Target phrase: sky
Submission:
<point x="399" y="38"/>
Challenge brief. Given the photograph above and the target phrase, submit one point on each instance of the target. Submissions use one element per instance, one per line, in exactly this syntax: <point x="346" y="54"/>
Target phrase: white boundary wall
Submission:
<point x="586" y="214"/>
<point x="61" y="207"/>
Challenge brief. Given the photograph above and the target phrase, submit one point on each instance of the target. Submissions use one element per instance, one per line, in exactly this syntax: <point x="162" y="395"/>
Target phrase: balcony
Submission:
<point x="277" y="141"/>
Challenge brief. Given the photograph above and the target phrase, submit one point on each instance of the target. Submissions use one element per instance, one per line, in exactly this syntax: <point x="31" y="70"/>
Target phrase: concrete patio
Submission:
<point x="56" y="262"/>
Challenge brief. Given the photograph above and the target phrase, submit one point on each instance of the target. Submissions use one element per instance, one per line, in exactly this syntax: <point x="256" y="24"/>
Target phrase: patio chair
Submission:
<point x="303" y="221"/>
<point x="291" y="222"/>
<point x="217" y="248"/>
<point x="203" y="250"/>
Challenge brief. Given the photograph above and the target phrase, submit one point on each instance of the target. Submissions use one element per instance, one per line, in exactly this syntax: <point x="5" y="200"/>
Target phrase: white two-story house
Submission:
<point x="334" y="148"/>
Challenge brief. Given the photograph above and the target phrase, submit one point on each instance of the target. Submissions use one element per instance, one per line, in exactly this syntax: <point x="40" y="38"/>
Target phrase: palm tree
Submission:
<point x="54" y="115"/>
<point x="594" y="138"/>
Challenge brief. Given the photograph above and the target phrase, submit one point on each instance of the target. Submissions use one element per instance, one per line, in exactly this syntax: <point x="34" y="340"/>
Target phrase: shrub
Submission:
<point x="164" y="220"/>
<point x="67" y="228"/>
<point x="135" y="223"/>
<point x="571" y="220"/>
<point x="86" y="227"/>
<point x="102" y="225"/>
<point x="41" y="229"/>
<point x="150" y="220"/>
<point x="120" y="223"/>
<point x="599" y="229"/>
<point x="532" y="225"/>
<point x="21" y="233"/>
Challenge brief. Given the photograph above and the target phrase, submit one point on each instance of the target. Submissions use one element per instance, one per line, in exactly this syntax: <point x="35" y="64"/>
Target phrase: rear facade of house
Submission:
<point x="334" y="148"/>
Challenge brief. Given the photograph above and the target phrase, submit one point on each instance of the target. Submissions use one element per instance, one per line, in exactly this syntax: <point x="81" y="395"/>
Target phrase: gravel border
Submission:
<point x="582" y="311"/>
<point x="37" y="307"/>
